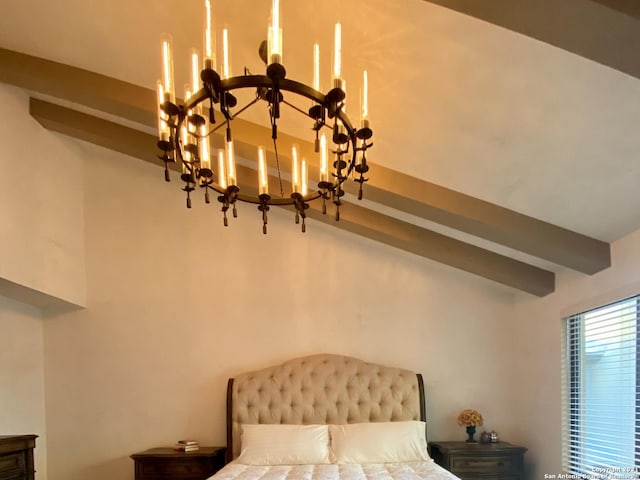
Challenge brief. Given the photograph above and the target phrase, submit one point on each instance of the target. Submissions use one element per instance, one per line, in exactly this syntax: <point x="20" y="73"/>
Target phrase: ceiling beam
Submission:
<point x="394" y="189"/>
<point x="355" y="219"/>
<point x="605" y="31"/>
<point x="628" y="7"/>
<point x="446" y="250"/>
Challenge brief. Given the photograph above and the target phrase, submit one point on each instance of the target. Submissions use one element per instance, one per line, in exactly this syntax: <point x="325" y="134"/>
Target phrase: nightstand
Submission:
<point x="16" y="457"/>
<point x="490" y="461"/>
<point x="166" y="463"/>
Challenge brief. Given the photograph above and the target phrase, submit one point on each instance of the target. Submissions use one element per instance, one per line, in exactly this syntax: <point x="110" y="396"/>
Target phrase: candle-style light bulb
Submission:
<point x="364" y="121"/>
<point x="226" y="71"/>
<point x="231" y="164"/>
<point x="194" y="58"/>
<point x="163" y="126"/>
<point x="303" y="177"/>
<point x="316" y="66"/>
<point x="167" y="67"/>
<point x="222" y="176"/>
<point x="274" y="35"/>
<point x="209" y="38"/>
<point x="205" y="148"/>
<point x="187" y="94"/>
<point x="184" y="137"/>
<point x="324" y="159"/>
<point x="337" y="57"/>
<point x="263" y="185"/>
<point x="295" y="167"/>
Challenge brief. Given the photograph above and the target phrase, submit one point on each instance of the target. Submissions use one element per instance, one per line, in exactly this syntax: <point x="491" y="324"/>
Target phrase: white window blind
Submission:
<point x="601" y="383"/>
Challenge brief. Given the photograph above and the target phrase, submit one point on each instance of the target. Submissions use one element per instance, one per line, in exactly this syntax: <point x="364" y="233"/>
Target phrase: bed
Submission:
<point x="327" y="417"/>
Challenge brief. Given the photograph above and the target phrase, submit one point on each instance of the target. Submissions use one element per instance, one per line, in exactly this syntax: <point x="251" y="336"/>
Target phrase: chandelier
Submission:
<point x="185" y="128"/>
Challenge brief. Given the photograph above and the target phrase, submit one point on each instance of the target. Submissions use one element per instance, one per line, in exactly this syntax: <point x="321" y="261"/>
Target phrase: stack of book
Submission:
<point x="187" y="445"/>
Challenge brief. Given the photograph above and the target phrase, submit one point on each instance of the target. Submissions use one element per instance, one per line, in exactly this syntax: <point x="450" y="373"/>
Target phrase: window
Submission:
<point x="601" y="382"/>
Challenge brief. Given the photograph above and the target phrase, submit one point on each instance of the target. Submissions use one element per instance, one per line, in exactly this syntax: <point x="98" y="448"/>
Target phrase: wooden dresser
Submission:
<point x="490" y="461"/>
<point x="16" y="457"/>
<point x="166" y="463"/>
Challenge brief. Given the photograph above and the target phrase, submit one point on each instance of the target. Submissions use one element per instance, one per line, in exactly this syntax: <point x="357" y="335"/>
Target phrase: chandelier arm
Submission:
<point x="280" y="202"/>
<point x="353" y="140"/>
<point x="291" y="105"/>
<point x="218" y="127"/>
<point x="346" y="122"/>
<point x="176" y="136"/>
<point x="275" y="150"/>
<point x="251" y="103"/>
<point x="263" y="81"/>
<point x="196" y="98"/>
<point x="351" y="164"/>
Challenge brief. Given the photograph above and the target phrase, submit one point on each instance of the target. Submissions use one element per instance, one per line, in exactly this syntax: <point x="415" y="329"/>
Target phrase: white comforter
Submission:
<point x="427" y="470"/>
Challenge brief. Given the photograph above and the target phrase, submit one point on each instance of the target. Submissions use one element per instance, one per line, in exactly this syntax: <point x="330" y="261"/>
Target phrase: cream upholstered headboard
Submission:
<point x="322" y="389"/>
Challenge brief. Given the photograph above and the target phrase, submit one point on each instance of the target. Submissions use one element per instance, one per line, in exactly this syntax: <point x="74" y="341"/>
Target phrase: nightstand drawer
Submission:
<point x="12" y="465"/>
<point x="497" y="464"/>
<point x="16" y="457"/>
<point x="165" y="463"/>
<point x="174" y="468"/>
<point x="484" y="461"/>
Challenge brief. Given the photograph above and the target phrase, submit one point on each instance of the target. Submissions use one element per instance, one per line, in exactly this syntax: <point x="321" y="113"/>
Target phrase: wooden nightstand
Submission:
<point x="166" y="463"/>
<point x="16" y="457"/>
<point x="490" y="461"/>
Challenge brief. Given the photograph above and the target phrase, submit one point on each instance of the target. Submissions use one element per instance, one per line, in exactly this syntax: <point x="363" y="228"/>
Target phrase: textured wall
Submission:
<point x="22" y="409"/>
<point x="41" y="211"/>
<point x="537" y="339"/>
<point x="177" y="303"/>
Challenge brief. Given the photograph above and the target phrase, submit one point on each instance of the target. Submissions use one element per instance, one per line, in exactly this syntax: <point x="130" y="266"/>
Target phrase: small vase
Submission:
<point x="471" y="431"/>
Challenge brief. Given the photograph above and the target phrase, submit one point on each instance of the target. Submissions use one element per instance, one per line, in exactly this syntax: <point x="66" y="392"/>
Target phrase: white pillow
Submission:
<point x="382" y="442"/>
<point x="284" y="444"/>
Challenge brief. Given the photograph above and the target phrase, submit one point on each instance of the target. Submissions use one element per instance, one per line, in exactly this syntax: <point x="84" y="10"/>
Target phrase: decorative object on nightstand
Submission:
<point x="16" y="457"/>
<point x="187" y="446"/>
<point x="495" y="461"/>
<point x="489" y="437"/>
<point x="470" y="419"/>
<point x="167" y="463"/>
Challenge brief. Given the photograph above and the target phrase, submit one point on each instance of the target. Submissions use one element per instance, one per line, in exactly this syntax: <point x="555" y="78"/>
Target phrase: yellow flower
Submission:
<point x="470" y="418"/>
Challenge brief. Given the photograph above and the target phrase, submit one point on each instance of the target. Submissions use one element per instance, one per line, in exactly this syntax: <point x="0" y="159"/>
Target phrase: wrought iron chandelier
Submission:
<point x="185" y="129"/>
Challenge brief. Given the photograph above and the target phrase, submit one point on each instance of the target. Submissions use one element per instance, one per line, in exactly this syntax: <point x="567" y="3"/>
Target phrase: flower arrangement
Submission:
<point x="470" y="418"/>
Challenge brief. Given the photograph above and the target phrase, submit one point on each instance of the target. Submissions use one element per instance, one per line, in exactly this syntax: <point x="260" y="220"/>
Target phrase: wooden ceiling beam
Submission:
<point x="628" y="7"/>
<point x="605" y="31"/>
<point x="355" y="219"/>
<point x="394" y="189"/>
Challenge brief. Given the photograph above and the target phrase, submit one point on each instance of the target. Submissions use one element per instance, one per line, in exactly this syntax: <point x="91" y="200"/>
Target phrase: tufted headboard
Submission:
<point x="322" y="389"/>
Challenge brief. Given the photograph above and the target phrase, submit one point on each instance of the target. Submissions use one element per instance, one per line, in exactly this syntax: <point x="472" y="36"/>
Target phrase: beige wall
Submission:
<point x="42" y="262"/>
<point x="22" y="408"/>
<point x="537" y="341"/>
<point x="177" y="304"/>
<point x="41" y="229"/>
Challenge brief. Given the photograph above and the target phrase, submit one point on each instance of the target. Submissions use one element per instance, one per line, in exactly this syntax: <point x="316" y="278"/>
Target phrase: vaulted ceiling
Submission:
<point x="506" y="137"/>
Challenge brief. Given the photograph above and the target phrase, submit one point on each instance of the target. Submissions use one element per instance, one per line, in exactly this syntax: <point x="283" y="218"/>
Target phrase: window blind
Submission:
<point x="601" y="392"/>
